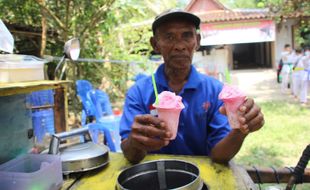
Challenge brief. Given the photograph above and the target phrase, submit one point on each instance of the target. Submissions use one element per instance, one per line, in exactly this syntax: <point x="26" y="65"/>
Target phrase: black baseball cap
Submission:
<point x="175" y="13"/>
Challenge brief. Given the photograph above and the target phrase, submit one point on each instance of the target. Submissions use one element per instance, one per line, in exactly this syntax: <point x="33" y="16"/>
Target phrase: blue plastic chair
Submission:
<point x="88" y="110"/>
<point x="107" y="122"/>
<point x="101" y="102"/>
<point x="112" y="140"/>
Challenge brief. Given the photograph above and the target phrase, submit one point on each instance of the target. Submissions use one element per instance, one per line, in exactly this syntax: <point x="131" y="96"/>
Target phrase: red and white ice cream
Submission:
<point x="233" y="98"/>
<point x="169" y="108"/>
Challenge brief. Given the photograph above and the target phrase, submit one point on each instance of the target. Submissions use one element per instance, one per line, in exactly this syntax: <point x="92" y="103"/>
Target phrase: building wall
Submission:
<point x="214" y="62"/>
<point x="284" y="35"/>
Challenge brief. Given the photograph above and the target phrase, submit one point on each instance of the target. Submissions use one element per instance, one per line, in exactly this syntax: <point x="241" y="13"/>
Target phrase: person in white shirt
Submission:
<point x="286" y="56"/>
<point x="297" y="71"/>
<point x="305" y="77"/>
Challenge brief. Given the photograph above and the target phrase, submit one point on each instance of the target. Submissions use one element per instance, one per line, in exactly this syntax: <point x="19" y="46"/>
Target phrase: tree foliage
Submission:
<point x="25" y="13"/>
<point x="125" y="37"/>
<point x="300" y="9"/>
<point x="107" y="29"/>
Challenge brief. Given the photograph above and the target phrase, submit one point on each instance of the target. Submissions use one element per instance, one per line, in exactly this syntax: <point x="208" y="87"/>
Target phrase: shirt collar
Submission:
<point x="192" y="83"/>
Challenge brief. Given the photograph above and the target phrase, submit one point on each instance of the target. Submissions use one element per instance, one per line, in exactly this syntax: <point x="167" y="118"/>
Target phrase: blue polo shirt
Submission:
<point x="201" y="125"/>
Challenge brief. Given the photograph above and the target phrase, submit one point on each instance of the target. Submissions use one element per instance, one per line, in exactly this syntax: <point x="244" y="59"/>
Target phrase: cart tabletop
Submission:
<point x="216" y="176"/>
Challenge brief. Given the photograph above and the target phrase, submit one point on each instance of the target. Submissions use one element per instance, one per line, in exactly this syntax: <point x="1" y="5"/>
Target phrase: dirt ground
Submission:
<point x="261" y="84"/>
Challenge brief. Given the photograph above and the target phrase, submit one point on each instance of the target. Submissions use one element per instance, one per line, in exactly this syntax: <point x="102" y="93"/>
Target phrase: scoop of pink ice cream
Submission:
<point x="169" y="100"/>
<point x="231" y="93"/>
<point x="233" y="98"/>
<point x="169" y="109"/>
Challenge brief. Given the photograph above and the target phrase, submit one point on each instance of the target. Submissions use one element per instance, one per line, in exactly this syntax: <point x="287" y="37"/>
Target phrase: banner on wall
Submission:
<point x="237" y="32"/>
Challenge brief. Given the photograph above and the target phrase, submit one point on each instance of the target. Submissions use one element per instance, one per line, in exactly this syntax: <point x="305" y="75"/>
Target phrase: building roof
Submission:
<point x="29" y="31"/>
<point x="198" y="6"/>
<point x="232" y="15"/>
<point x="213" y="11"/>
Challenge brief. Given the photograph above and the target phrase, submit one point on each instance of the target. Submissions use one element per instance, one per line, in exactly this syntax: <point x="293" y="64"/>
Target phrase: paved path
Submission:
<point x="261" y="84"/>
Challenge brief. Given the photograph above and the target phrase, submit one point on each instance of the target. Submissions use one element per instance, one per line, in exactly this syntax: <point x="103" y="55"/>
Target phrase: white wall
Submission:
<point x="216" y="61"/>
<point x="283" y="36"/>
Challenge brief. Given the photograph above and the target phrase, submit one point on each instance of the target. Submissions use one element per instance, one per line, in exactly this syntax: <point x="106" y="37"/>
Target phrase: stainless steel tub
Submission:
<point x="161" y="175"/>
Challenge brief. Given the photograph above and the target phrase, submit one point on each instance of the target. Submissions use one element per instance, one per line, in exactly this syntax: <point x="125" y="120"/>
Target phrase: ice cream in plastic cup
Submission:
<point x="233" y="98"/>
<point x="168" y="109"/>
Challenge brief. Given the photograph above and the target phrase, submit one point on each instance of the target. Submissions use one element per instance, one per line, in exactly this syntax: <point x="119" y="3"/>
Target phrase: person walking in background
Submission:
<point x="296" y="73"/>
<point x="286" y="56"/>
<point x="305" y="76"/>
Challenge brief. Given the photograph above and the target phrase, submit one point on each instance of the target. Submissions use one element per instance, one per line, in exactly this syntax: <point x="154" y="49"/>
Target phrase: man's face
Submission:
<point x="176" y="41"/>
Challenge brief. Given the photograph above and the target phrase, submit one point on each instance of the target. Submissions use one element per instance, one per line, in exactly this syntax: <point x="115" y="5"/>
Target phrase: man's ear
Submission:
<point x="198" y="41"/>
<point x="154" y="44"/>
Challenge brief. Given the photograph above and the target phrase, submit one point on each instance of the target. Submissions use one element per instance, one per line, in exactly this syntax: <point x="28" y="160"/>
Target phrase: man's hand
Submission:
<point x="148" y="134"/>
<point x="251" y="118"/>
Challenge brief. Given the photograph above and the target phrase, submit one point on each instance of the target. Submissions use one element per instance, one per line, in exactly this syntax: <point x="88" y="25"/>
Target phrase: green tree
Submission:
<point x="299" y="9"/>
<point x="125" y="37"/>
<point x="107" y="29"/>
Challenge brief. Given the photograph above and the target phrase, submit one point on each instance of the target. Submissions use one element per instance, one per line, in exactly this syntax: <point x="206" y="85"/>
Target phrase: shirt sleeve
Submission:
<point x="133" y="106"/>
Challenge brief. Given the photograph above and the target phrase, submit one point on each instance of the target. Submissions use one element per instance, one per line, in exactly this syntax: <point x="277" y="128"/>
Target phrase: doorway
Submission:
<point x="252" y="55"/>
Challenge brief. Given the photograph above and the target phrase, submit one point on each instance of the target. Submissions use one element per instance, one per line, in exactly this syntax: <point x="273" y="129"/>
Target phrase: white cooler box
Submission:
<point x="18" y="68"/>
<point x="32" y="172"/>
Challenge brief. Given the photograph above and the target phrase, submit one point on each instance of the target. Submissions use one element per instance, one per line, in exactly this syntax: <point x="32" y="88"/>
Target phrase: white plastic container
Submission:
<point x="32" y="171"/>
<point x="18" y="68"/>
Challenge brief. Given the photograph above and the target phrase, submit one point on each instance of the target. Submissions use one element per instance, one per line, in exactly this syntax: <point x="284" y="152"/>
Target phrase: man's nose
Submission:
<point x="179" y="45"/>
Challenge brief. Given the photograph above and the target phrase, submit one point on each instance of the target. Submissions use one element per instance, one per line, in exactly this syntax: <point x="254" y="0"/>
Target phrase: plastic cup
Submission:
<point x="232" y="110"/>
<point x="171" y="118"/>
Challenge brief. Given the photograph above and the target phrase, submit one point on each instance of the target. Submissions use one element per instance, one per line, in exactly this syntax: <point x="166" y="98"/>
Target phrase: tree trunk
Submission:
<point x="51" y="14"/>
<point x="44" y="30"/>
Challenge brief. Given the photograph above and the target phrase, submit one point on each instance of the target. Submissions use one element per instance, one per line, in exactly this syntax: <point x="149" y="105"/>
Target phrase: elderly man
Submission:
<point x="203" y="127"/>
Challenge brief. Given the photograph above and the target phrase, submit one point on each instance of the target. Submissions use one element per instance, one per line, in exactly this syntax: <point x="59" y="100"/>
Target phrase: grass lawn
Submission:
<point x="281" y="141"/>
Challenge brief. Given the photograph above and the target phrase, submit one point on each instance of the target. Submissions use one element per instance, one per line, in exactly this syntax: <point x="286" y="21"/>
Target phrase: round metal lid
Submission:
<point x="79" y="156"/>
<point x="82" y="151"/>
